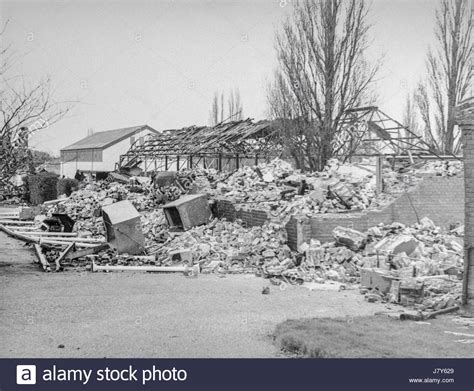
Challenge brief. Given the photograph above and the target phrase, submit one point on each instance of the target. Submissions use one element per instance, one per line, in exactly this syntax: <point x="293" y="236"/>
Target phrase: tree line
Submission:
<point x="323" y="70"/>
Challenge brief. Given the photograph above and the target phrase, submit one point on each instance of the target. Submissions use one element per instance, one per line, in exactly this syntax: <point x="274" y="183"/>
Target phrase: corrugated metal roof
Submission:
<point x="102" y="140"/>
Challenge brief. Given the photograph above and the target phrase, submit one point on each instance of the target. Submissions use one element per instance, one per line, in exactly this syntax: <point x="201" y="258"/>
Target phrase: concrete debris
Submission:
<point x="86" y="202"/>
<point x="442" y="167"/>
<point x="418" y="266"/>
<point x="283" y="191"/>
<point x="277" y="187"/>
<point x="397" y="244"/>
<point x="350" y="238"/>
<point x="376" y="279"/>
<point x="459" y="231"/>
<point x="423" y="264"/>
<point x="226" y="247"/>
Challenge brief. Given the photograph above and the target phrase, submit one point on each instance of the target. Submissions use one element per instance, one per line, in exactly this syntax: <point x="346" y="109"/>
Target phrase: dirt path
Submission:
<point x="148" y="315"/>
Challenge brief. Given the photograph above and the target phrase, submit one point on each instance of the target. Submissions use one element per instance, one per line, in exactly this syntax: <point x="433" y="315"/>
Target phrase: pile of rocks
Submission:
<point x="155" y="229"/>
<point x="12" y="194"/>
<point x="85" y="203"/>
<point x="229" y="247"/>
<point x="442" y="168"/>
<point x="283" y="191"/>
<point x="418" y="265"/>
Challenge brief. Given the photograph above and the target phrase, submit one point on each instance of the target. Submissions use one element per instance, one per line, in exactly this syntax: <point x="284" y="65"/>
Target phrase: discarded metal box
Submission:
<point x="123" y="227"/>
<point x="59" y="222"/>
<point x="187" y="212"/>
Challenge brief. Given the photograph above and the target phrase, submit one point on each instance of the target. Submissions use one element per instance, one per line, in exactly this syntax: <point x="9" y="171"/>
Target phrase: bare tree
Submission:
<point x="410" y="117"/>
<point x="323" y="70"/>
<point x="234" y="112"/>
<point x="283" y="106"/>
<point x="24" y="110"/>
<point x="449" y="75"/>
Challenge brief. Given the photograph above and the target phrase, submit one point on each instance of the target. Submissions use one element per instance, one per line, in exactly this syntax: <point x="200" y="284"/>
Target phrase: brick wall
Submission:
<point x="250" y="217"/>
<point x="298" y="230"/>
<point x="468" y="287"/>
<point x="439" y="198"/>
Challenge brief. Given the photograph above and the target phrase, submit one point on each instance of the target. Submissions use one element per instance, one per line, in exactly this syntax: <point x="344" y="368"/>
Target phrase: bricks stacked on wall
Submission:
<point x="298" y="229"/>
<point x="250" y="217"/>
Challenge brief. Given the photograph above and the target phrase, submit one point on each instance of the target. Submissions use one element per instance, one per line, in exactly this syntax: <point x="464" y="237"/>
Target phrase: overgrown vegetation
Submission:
<point x="42" y="187"/>
<point x="67" y="186"/>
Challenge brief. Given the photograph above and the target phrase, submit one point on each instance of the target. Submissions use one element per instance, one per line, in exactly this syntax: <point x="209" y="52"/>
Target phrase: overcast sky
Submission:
<point x="159" y="62"/>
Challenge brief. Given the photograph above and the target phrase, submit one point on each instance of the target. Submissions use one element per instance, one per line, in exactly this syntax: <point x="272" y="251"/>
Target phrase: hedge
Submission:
<point x="42" y="187"/>
<point x="67" y="186"/>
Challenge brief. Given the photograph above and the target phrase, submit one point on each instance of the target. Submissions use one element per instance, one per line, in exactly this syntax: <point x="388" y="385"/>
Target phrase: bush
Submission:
<point x="67" y="186"/>
<point x="42" y="187"/>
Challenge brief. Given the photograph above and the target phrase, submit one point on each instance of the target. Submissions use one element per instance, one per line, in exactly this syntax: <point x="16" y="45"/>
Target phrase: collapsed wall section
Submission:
<point x="439" y="198"/>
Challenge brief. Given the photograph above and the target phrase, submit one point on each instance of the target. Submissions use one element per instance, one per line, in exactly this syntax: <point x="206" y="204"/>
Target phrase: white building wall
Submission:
<point x="110" y="156"/>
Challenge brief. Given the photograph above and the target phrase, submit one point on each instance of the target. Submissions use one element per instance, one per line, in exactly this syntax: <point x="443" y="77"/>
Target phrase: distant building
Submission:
<point x="98" y="152"/>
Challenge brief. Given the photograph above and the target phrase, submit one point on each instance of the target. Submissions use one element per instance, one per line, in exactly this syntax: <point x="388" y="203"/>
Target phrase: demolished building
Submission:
<point x="226" y="146"/>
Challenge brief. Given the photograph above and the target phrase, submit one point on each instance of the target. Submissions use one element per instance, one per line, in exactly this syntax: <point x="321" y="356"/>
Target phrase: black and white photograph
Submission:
<point x="222" y="179"/>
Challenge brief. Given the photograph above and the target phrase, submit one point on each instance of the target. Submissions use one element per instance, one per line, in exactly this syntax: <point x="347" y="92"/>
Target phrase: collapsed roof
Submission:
<point x="365" y="131"/>
<point x="243" y="138"/>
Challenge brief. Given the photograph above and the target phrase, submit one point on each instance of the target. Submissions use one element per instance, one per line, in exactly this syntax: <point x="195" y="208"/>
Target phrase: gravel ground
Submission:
<point x="82" y="314"/>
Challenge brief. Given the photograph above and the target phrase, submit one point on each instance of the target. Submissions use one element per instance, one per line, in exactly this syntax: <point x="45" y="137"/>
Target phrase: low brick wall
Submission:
<point x="439" y="198"/>
<point x="298" y="230"/>
<point x="251" y="217"/>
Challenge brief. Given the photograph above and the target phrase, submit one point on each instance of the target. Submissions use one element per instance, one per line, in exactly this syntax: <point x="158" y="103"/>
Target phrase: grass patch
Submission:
<point x="371" y="337"/>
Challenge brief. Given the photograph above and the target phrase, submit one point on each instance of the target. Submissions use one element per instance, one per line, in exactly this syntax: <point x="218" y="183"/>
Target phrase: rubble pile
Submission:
<point x="84" y="204"/>
<point x="417" y="265"/>
<point x="12" y="194"/>
<point x="229" y="247"/>
<point x="442" y="167"/>
<point x="424" y="262"/>
<point x="155" y="228"/>
<point x="284" y="191"/>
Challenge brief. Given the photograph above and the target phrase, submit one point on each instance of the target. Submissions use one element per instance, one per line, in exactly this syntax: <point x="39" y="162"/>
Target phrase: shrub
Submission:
<point x="42" y="187"/>
<point x="67" y="186"/>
